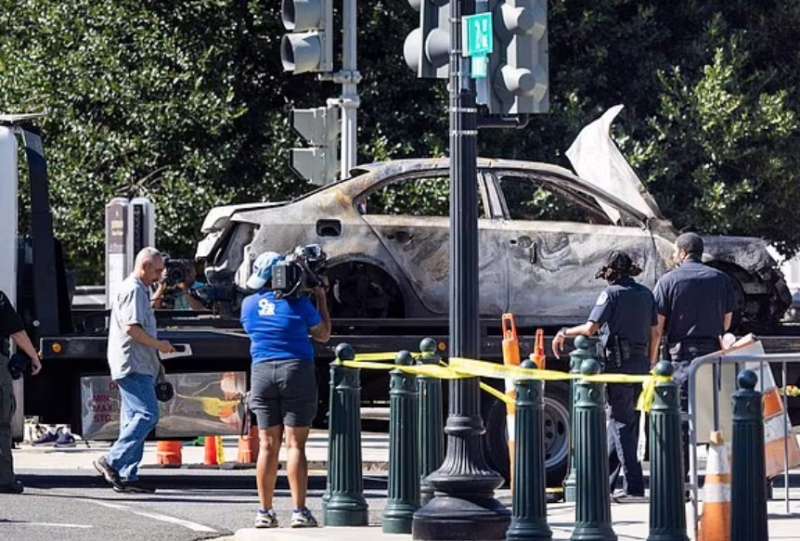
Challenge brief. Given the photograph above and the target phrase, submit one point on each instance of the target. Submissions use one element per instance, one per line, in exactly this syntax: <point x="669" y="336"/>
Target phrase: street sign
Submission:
<point x="479" y="39"/>
<point x="477" y="35"/>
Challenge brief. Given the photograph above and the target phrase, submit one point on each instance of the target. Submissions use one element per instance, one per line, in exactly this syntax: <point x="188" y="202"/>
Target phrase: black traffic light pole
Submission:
<point x="464" y="506"/>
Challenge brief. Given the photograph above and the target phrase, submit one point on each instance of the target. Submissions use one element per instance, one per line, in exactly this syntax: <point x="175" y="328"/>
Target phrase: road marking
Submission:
<point x="48" y="524"/>
<point x="195" y="527"/>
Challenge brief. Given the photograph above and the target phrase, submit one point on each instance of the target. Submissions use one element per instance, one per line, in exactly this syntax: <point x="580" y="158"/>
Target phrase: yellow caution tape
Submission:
<point x="430" y="370"/>
<point x="503" y="397"/>
<point x="461" y="367"/>
<point x="380" y="357"/>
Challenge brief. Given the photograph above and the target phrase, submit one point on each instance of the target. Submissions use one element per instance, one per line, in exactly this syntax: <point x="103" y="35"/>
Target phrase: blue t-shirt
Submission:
<point x="278" y="328"/>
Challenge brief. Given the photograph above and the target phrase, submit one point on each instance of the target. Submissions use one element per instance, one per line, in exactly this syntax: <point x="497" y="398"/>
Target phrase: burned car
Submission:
<point x="543" y="234"/>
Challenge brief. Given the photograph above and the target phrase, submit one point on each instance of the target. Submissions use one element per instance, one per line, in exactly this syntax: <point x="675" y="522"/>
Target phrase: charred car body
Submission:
<point x="543" y="234"/>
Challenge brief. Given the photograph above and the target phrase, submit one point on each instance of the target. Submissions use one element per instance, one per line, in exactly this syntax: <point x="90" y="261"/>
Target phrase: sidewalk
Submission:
<point x="375" y="451"/>
<point x="630" y="522"/>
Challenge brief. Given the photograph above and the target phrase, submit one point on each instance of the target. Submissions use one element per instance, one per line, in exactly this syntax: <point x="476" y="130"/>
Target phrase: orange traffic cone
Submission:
<point x="169" y="453"/>
<point x="511" y="357"/>
<point x="248" y="447"/>
<point x="715" y="524"/>
<point x="211" y="453"/>
<point x="538" y="356"/>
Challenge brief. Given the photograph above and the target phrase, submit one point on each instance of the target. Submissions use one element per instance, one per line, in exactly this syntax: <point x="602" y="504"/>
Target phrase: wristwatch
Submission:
<point x="562" y="331"/>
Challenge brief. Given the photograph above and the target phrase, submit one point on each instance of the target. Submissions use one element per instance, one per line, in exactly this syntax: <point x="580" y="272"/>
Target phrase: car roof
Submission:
<point x="377" y="171"/>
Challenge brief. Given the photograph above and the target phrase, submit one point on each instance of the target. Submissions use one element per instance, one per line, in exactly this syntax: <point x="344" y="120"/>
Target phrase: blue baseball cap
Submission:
<point x="262" y="270"/>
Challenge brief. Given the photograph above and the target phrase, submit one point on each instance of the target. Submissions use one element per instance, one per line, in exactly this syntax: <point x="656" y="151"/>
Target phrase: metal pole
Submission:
<point x="463" y="506"/>
<point x="785" y="440"/>
<point x="349" y="78"/>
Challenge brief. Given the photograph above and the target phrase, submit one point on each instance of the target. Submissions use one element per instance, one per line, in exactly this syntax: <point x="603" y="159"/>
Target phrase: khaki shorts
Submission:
<point x="283" y="393"/>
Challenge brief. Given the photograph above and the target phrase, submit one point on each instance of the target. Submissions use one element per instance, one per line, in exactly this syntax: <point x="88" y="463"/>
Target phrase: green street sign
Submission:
<point x="479" y="38"/>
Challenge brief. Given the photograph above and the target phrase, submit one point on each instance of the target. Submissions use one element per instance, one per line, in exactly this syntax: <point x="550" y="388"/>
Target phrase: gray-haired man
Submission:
<point x="133" y="349"/>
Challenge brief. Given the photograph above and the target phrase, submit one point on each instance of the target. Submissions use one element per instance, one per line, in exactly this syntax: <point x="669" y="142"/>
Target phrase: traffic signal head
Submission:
<point x="519" y="66"/>
<point x="427" y="47"/>
<point x="320" y="127"/>
<point x="309" y="45"/>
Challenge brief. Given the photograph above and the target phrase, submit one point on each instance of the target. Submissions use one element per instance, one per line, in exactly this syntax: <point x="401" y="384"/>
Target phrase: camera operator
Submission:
<point x="180" y="294"/>
<point x="283" y="380"/>
<point x="11" y="327"/>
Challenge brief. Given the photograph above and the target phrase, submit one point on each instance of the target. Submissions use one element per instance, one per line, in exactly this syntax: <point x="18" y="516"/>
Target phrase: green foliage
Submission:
<point x="186" y="102"/>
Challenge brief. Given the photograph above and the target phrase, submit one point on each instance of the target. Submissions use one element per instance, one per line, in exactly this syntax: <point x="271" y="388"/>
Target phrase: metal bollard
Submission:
<point x="667" y="512"/>
<point x="403" y="459"/>
<point x="592" y="505"/>
<point x="529" y="504"/>
<point x="576" y="357"/>
<point x="748" y="477"/>
<point x="431" y="421"/>
<point x="346" y="505"/>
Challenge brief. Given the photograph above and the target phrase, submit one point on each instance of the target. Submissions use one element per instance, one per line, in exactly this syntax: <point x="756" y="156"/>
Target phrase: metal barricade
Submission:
<point x="716" y="360"/>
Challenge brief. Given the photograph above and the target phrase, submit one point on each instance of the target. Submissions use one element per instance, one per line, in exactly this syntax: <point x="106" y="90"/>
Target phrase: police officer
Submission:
<point x="625" y="315"/>
<point x="10" y="327"/>
<point x="695" y="307"/>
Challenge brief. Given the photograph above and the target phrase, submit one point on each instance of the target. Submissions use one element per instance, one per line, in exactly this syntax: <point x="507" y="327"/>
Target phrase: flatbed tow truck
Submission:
<point x="211" y="367"/>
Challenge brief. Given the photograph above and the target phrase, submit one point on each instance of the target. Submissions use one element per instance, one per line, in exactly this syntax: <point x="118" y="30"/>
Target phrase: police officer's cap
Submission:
<point x="691" y="243"/>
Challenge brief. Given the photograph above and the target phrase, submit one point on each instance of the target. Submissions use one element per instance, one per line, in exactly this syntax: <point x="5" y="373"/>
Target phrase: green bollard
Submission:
<point x="576" y="357"/>
<point x="592" y="505"/>
<point x="403" y="458"/>
<point x="346" y="505"/>
<point x="431" y="421"/>
<point x="748" y="477"/>
<point x="529" y="503"/>
<point x="667" y="511"/>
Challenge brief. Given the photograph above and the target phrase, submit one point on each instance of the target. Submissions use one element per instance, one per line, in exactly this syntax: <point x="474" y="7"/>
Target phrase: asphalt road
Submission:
<point x="189" y="504"/>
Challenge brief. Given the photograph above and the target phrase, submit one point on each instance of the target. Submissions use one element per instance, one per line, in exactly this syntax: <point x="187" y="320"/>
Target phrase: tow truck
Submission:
<point x="210" y="370"/>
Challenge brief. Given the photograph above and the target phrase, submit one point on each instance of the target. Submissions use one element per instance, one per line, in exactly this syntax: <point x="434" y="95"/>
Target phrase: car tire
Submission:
<point x="556" y="433"/>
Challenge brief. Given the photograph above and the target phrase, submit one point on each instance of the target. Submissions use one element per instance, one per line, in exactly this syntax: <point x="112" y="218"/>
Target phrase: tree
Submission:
<point x="186" y="102"/>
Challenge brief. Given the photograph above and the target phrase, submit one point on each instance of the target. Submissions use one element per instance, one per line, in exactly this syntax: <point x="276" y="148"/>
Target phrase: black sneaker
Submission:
<point x="14" y="488"/>
<point x="109" y="474"/>
<point x="134" y="487"/>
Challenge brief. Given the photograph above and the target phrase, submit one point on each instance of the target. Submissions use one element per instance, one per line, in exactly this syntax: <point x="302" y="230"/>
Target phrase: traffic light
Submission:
<point x="518" y="69"/>
<point x="427" y="47"/>
<point x="309" y="45"/>
<point x="320" y="127"/>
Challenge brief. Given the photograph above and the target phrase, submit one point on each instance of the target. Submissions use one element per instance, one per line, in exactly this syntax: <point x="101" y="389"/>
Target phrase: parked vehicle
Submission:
<point x="543" y="235"/>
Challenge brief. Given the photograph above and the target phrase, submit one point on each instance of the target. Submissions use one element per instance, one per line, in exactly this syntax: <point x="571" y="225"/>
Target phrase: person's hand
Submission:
<point x="165" y="347"/>
<point x="558" y="343"/>
<point x="320" y="293"/>
<point x="36" y="365"/>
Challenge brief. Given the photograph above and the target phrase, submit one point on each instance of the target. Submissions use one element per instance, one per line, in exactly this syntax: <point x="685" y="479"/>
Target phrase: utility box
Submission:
<point x="130" y="226"/>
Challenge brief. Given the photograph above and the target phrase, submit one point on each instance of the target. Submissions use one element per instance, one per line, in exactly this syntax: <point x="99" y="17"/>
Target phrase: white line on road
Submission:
<point x="195" y="527"/>
<point x="50" y="524"/>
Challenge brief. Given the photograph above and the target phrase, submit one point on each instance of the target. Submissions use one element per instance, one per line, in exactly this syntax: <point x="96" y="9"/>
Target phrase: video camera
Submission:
<point x="178" y="271"/>
<point x="299" y="272"/>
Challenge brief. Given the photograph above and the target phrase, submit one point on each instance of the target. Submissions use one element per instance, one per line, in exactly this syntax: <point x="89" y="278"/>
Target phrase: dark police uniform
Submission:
<point x="694" y="299"/>
<point x="626" y="312"/>
<point x="10" y="323"/>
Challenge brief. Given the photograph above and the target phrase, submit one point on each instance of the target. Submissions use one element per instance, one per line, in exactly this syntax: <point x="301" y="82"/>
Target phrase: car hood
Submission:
<point x="750" y="253"/>
<point x="597" y="159"/>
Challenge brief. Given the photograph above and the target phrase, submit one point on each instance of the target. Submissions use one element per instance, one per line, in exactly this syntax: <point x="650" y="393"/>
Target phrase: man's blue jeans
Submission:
<point x="138" y="416"/>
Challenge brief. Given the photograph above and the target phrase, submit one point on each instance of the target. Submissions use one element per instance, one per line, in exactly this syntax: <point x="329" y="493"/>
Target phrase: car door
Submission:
<point x="410" y="216"/>
<point x="555" y="246"/>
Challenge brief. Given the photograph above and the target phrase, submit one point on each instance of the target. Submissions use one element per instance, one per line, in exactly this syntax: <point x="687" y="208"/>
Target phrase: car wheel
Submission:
<point x="361" y="290"/>
<point x="556" y="435"/>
